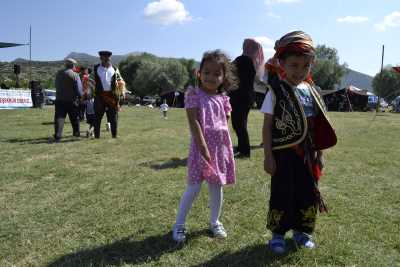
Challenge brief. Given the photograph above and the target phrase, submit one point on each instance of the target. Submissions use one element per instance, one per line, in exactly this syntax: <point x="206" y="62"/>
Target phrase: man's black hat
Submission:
<point x="105" y="53"/>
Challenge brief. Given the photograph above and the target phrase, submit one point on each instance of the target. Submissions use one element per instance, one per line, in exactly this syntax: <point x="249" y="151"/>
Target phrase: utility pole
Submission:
<point x="380" y="77"/>
<point x="30" y="53"/>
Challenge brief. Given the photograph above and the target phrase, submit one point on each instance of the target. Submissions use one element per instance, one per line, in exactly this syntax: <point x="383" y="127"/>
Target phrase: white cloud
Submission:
<point x="271" y="2"/>
<point x="352" y="19"/>
<point x="267" y="44"/>
<point x="166" y="12"/>
<point x="273" y="15"/>
<point x="390" y="21"/>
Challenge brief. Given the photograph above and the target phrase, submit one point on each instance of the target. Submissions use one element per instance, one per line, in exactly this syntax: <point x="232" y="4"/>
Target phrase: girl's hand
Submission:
<point x="270" y="165"/>
<point x="205" y="153"/>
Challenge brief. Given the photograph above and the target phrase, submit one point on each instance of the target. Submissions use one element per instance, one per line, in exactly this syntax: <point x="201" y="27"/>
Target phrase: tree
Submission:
<point x="190" y="65"/>
<point x="146" y="78"/>
<point x="174" y="75"/>
<point x="387" y="84"/>
<point x="147" y="74"/>
<point x="327" y="72"/>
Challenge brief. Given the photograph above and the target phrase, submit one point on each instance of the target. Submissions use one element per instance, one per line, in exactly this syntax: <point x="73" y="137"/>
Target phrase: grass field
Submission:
<point x="112" y="202"/>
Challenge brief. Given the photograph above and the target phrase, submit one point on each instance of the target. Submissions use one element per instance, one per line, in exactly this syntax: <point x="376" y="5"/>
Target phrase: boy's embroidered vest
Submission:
<point x="289" y="126"/>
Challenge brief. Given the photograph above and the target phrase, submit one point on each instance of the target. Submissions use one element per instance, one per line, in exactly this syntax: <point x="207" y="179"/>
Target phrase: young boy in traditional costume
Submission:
<point x="296" y="130"/>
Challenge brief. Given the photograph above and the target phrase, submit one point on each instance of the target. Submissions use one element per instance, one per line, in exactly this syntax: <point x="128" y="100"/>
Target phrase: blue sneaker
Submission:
<point x="303" y="240"/>
<point x="277" y="244"/>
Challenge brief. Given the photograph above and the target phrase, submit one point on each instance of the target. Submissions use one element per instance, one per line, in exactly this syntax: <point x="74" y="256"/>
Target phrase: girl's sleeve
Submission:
<point x="191" y="98"/>
<point x="227" y="104"/>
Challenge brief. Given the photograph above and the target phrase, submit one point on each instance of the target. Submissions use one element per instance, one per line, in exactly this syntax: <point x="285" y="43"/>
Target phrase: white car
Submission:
<point x="147" y="100"/>
<point x="50" y="96"/>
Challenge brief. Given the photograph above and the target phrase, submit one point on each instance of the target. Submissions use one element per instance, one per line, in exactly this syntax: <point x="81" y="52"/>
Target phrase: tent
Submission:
<point x="349" y="98"/>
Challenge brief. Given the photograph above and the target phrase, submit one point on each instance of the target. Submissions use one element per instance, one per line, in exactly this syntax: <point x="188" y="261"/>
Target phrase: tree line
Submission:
<point x="147" y="74"/>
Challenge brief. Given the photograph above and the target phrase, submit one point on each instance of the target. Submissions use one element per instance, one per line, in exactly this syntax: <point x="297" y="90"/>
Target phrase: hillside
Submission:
<point x="357" y="79"/>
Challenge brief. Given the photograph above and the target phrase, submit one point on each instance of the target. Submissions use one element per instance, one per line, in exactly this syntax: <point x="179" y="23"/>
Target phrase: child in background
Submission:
<point x="164" y="109"/>
<point x="211" y="153"/>
<point x="295" y="131"/>
<point x="90" y="115"/>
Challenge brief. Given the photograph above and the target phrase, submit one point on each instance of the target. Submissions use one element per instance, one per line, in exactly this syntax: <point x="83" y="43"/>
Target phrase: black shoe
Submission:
<point x="54" y="139"/>
<point x="240" y="155"/>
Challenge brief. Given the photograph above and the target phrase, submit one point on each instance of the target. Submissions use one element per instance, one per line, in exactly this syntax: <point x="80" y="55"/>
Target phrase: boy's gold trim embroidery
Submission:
<point x="288" y="123"/>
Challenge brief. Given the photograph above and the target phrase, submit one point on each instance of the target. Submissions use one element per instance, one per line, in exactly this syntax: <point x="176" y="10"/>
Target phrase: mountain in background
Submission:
<point x="46" y="70"/>
<point x="89" y="60"/>
<point x="357" y="79"/>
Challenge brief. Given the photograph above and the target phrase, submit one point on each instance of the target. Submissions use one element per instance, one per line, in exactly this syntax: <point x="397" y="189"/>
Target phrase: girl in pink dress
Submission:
<point x="211" y="153"/>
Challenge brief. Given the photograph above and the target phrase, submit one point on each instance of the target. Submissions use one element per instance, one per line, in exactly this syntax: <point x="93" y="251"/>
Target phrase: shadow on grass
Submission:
<point x="48" y="123"/>
<point x="41" y="140"/>
<point x="125" y="251"/>
<point x="173" y="163"/>
<point x="256" y="255"/>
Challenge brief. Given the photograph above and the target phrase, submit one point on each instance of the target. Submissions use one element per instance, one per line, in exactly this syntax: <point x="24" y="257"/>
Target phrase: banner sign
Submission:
<point x="10" y="99"/>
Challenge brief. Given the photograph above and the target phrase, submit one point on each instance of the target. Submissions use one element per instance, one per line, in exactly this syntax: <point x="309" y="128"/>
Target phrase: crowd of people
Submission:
<point x="77" y="94"/>
<point x="295" y="130"/>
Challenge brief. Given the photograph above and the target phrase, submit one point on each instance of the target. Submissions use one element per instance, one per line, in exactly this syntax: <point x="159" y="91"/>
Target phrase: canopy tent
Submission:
<point x="350" y="98"/>
<point x="6" y="45"/>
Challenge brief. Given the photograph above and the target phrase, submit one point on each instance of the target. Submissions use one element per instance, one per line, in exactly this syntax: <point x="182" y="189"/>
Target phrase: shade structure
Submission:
<point x="6" y="45"/>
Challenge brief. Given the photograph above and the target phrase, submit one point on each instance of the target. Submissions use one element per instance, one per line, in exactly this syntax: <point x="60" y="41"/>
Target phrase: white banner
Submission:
<point x="10" y="99"/>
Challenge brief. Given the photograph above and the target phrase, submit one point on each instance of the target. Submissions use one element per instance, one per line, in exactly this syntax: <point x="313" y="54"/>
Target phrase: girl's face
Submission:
<point x="296" y="68"/>
<point x="211" y="76"/>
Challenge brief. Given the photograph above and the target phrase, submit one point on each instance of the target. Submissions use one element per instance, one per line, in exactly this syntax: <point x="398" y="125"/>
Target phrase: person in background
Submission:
<point x="68" y="96"/>
<point x="90" y="115"/>
<point x="164" y="109"/>
<point x="248" y="65"/>
<point x="109" y="89"/>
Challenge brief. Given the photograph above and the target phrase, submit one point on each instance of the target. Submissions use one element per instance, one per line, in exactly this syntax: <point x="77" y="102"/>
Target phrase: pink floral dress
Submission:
<point x="212" y="111"/>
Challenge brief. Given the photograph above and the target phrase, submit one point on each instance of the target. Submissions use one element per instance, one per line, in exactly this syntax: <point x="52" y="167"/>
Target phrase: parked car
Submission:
<point x="50" y="96"/>
<point x="130" y="99"/>
<point x="147" y="100"/>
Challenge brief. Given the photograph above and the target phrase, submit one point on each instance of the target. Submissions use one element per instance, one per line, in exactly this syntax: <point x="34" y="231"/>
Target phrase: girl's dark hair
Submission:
<point x="230" y="79"/>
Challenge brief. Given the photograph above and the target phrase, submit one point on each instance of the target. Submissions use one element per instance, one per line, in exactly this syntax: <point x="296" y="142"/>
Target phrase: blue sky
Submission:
<point x="187" y="28"/>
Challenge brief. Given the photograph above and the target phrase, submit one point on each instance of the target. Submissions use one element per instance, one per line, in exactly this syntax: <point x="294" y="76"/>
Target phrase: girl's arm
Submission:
<point x="197" y="133"/>
<point x="269" y="161"/>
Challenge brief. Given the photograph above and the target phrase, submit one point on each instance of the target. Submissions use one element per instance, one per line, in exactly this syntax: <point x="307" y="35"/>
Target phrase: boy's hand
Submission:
<point x="321" y="161"/>
<point x="270" y="165"/>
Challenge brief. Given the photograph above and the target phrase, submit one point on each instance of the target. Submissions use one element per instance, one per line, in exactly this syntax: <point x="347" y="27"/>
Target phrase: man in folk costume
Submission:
<point x="249" y="65"/>
<point x="296" y="130"/>
<point x="109" y="90"/>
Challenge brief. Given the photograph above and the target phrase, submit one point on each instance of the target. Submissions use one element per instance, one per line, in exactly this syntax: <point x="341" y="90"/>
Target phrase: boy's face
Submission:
<point x="297" y="68"/>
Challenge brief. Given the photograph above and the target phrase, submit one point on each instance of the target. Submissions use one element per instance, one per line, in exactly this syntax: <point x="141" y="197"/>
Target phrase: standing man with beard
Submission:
<point x="109" y="89"/>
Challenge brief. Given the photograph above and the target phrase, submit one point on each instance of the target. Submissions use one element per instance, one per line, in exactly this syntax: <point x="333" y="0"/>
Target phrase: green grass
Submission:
<point x="112" y="202"/>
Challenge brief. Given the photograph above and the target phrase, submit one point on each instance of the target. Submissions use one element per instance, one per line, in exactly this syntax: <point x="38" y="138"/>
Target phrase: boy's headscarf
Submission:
<point x="297" y="42"/>
<point x="254" y="50"/>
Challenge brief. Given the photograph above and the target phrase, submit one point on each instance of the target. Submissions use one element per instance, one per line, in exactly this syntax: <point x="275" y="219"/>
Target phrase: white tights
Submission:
<point x="192" y="191"/>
